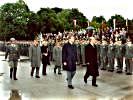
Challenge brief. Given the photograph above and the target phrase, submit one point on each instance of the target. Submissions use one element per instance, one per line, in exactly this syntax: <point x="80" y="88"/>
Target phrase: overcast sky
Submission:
<point x="89" y="8"/>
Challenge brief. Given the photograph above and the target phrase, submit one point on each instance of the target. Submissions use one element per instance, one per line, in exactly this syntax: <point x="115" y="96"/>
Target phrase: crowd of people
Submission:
<point x="94" y="50"/>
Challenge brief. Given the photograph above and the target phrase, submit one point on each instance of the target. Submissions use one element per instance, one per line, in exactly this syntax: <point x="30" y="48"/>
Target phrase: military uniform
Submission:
<point x="13" y="51"/>
<point x="119" y="54"/>
<point x="103" y="56"/>
<point x="78" y="53"/>
<point x="50" y="47"/>
<point x="98" y="54"/>
<point x="83" y="53"/>
<point x="111" y="56"/>
<point x="129" y="59"/>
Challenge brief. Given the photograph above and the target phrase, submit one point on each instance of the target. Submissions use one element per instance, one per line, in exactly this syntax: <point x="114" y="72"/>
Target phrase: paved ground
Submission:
<point x="112" y="86"/>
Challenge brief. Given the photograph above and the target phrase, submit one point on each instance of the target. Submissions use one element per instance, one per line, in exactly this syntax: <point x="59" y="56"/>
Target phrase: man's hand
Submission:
<point x="88" y="63"/>
<point x="46" y="54"/>
<point x="65" y="63"/>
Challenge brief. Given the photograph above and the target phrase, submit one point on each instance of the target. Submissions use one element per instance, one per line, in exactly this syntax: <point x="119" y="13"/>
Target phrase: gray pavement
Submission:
<point x="112" y="86"/>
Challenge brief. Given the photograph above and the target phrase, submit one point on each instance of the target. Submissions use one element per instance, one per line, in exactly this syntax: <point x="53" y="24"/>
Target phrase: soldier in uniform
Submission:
<point x="111" y="56"/>
<point x="98" y="52"/>
<point x="103" y="55"/>
<point x="78" y="52"/>
<point x="129" y="57"/>
<point x="84" y="43"/>
<point x="14" y="55"/>
<point x="50" y="47"/>
<point x="119" y="54"/>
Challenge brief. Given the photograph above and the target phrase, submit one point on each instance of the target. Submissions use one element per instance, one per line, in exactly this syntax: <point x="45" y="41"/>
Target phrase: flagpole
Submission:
<point x="114" y="22"/>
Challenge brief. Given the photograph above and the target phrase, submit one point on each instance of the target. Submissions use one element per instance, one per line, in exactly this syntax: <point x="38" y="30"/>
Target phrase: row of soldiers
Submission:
<point x="107" y="52"/>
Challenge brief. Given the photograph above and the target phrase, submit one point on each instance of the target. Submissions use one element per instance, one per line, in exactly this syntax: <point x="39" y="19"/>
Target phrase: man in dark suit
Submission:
<point x="69" y="58"/>
<point x="91" y="61"/>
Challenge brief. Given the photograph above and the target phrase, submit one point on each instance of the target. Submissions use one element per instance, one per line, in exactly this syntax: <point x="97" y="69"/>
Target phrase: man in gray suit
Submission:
<point x="35" y="58"/>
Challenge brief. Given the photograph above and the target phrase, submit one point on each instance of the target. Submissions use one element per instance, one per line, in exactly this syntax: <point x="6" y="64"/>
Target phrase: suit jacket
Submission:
<point x="91" y="59"/>
<point x="69" y="55"/>
<point x="45" y="59"/>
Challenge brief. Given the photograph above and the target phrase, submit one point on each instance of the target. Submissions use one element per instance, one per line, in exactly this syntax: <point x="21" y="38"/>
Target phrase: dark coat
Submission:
<point x="45" y="59"/>
<point x="69" y="55"/>
<point x="91" y="58"/>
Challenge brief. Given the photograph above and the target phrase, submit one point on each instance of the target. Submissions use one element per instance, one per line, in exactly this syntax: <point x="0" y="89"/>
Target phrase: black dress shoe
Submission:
<point x="70" y="86"/>
<point x="119" y="72"/>
<point x="15" y="79"/>
<point x="95" y="85"/>
<point x="85" y="80"/>
<point x="37" y="76"/>
<point x="44" y="74"/>
<point x="103" y="69"/>
<point x="128" y="73"/>
<point x="110" y="70"/>
<point x="10" y="77"/>
<point x="59" y="73"/>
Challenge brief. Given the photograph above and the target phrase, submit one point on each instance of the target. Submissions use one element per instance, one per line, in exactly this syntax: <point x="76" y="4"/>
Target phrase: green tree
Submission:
<point x="62" y="18"/>
<point x="13" y="19"/>
<point x="57" y="10"/>
<point x="97" y="21"/>
<point x="79" y="17"/>
<point x="120" y="21"/>
<point x="33" y="26"/>
<point x="48" y="20"/>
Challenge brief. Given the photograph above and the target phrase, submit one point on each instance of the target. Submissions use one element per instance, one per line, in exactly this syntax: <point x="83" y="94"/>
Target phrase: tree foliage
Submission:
<point x="16" y="20"/>
<point x="13" y="19"/>
<point x="97" y="21"/>
<point x="120" y="21"/>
